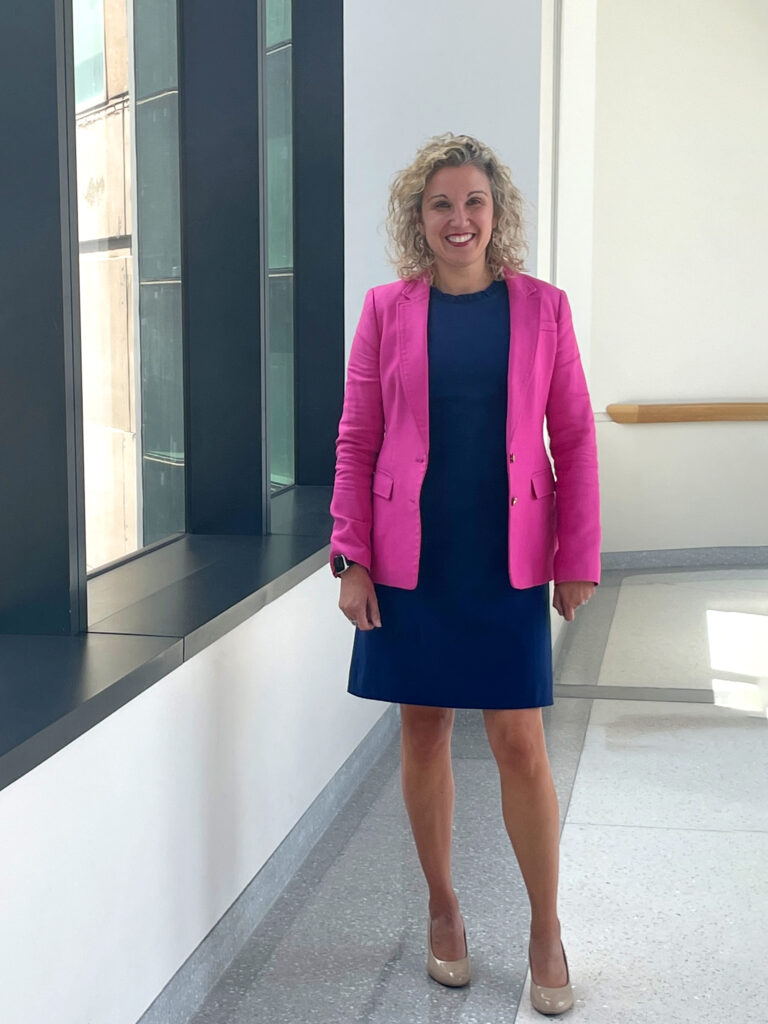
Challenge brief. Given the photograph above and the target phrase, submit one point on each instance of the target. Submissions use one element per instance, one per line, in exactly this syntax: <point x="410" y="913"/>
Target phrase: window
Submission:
<point x="137" y="439"/>
<point x="279" y="259"/>
<point x="130" y="274"/>
<point x="90" y="65"/>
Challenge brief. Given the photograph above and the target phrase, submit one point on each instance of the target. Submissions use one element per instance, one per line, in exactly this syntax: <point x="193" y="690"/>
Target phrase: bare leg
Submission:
<point x="428" y="790"/>
<point x="530" y="810"/>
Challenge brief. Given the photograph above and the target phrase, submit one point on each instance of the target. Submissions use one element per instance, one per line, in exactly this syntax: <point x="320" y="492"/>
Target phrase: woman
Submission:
<point x="448" y="524"/>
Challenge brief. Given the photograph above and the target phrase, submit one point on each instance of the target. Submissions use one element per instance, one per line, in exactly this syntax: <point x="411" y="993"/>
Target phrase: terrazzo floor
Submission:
<point x="664" y="842"/>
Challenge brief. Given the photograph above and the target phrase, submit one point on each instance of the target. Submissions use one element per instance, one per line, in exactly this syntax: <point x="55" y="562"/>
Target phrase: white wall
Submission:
<point x="122" y="851"/>
<point x="572" y="265"/>
<point x="413" y="70"/>
<point x="668" y="293"/>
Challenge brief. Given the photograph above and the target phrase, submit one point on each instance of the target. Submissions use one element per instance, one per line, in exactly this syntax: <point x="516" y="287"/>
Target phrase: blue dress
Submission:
<point x="465" y="637"/>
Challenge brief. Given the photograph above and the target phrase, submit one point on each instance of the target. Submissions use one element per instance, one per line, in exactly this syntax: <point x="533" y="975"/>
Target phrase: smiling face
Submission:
<point x="457" y="219"/>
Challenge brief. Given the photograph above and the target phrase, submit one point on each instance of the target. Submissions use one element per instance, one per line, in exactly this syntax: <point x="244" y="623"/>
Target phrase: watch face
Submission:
<point x="339" y="563"/>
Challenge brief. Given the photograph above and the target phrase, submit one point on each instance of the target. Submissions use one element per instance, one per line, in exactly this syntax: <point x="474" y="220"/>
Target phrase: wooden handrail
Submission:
<point x="687" y="412"/>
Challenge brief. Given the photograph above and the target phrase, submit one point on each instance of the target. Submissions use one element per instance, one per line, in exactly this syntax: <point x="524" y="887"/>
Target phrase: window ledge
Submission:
<point x="146" y="617"/>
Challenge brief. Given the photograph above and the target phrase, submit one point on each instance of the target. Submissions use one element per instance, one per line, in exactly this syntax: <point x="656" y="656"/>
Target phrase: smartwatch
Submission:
<point x="340" y="564"/>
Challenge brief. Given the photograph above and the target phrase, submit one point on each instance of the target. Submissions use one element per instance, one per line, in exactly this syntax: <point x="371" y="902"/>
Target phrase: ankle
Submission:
<point x="445" y="905"/>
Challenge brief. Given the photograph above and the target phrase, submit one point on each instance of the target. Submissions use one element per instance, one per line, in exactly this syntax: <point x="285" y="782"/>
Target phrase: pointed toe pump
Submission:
<point x="552" y="1000"/>
<point x="453" y="973"/>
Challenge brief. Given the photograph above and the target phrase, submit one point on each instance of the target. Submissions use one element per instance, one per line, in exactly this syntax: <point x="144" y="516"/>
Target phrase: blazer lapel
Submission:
<point x="412" y="309"/>
<point x="524" y="312"/>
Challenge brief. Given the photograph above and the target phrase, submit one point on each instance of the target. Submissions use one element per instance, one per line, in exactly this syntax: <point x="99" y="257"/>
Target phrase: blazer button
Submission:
<point x="514" y="501"/>
<point x="419" y="458"/>
<point x="511" y="456"/>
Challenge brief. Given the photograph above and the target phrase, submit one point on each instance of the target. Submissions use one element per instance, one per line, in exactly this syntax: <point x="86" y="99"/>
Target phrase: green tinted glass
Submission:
<point x="279" y="159"/>
<point x="278" y="21"/>
<point x="280" y="400"/>
<point x="88" y="43"/>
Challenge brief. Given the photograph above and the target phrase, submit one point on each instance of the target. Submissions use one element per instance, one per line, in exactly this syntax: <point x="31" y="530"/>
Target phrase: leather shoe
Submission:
<point x="552" y="1000"/>
<point x="454" y="973"/>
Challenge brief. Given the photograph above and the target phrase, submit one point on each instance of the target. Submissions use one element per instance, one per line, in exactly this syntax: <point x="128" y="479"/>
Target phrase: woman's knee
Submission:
<point x="426" y="730"/>
<point x="517" y="739"/>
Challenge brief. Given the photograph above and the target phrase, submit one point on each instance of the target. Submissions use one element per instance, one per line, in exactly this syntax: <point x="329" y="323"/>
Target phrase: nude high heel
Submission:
<point x="552" y="1000"/>
<point x="454" y="973"/>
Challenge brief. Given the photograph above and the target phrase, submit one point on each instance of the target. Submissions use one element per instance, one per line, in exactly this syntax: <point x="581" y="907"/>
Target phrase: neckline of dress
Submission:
<point x="466" y="296"/>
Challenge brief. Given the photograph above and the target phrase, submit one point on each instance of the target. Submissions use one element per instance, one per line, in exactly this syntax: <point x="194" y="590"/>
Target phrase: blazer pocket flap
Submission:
<point x="542" y="482"/>
<point x="382" y="484"/>
<point x="547" y="325"/>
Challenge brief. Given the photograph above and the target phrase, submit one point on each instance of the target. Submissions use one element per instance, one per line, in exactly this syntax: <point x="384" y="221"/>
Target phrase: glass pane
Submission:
<point x="162" y="410"/>
<point x="157" y="154"/>
<point x="88" y="45"/>
<point x="130" y="287"/>
<point x="279" y="159"/>
<point x="155" y="57"/>
<point x="278" y="21"/>
<point x="280" y="394"/>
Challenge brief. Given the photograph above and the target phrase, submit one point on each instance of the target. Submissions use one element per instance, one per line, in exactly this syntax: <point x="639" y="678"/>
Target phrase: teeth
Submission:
<point x="459" y="238"/>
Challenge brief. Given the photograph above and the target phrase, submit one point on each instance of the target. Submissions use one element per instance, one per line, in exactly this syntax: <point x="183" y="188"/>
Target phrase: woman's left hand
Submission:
<point x="570" y="594"/>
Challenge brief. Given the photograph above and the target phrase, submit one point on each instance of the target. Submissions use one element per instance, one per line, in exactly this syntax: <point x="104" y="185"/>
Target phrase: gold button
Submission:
<point x="514" y="501"/>
<point x="511" y="456"/>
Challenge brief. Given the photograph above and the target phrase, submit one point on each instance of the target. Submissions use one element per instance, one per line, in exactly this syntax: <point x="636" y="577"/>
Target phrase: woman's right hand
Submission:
<point x="358" y="597"/>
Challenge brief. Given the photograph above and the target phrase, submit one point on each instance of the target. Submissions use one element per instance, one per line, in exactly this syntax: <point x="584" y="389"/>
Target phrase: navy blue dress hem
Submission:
<point x="505" y="706"/>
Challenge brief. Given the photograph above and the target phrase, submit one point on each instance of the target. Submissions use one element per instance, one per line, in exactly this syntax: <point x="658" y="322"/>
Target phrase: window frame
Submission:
<point x="227" y="489"/>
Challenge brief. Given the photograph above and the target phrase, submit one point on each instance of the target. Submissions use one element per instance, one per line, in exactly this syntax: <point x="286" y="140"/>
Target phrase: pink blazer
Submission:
<point x="382" y="448"/>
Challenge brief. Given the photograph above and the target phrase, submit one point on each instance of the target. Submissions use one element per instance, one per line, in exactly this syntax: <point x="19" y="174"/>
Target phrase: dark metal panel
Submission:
<point x="318" y="118"/>
<point x="56" y="688"/>
<point x="42" y="540"/>
<point x="211" y="589"/>
<point x="218" y="91"/>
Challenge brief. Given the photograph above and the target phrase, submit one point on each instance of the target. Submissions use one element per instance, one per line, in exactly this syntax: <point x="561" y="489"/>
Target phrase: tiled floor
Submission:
<point x="664" y="847"/>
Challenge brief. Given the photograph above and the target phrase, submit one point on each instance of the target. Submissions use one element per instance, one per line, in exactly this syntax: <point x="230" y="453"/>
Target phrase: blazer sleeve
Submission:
<point x="573" y="444"/>
<point x="361" y="431"/>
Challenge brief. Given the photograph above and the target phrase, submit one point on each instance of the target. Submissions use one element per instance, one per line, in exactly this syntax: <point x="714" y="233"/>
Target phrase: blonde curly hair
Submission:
<point x="408" y="250"/>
